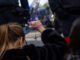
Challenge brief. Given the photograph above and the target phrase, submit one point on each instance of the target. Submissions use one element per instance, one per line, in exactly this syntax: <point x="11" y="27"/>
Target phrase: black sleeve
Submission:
<point x="26" y="13"/>
<point x="24" y="4"/>
<point x="54" y="47"/>
<point x="54" y="44"/>
<point x="51" y="2"/>
<point x="51" y="36"/>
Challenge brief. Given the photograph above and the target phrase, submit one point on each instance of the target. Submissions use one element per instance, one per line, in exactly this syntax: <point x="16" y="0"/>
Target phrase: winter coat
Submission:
<point x="54" y="49"/>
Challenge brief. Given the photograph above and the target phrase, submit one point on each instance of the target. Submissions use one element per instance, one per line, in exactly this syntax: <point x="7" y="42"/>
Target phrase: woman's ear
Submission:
<point x="21" y="42"/>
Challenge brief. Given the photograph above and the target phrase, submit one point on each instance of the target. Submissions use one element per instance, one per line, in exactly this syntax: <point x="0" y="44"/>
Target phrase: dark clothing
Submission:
<point x="54" y="49"/>
<point x="15" y="14"/>
<point x="73" y="54"/>
<point x="71" y="3"/>
<point x="65" y="11"/>
<point x="24" y="4"/>
<point x="64" y="24"/>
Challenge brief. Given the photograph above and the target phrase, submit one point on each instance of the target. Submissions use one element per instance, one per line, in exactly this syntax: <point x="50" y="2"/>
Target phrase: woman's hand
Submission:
<point x="37" y="25"/>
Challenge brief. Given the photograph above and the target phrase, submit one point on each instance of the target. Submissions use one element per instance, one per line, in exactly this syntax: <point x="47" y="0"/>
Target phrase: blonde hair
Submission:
<point x="9" y="33"/>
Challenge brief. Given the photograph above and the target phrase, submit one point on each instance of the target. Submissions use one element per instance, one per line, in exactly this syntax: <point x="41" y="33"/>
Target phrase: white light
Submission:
<point x="52" y="16"/>
<point x="42" y="2"/>
<point x="19" y="2"/>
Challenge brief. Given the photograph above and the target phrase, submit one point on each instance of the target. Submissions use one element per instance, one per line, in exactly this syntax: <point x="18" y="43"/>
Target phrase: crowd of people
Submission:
<point x="56" y="47"/>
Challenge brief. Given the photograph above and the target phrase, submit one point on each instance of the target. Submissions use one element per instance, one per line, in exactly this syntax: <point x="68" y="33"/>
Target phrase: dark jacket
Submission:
<point x="54" y="49"/>
<point x="14" y="14"/>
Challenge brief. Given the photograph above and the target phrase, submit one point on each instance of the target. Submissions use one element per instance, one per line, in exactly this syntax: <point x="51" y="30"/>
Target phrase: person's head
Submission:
<point x="75" y="34"/>
<point x="11" y="37"/>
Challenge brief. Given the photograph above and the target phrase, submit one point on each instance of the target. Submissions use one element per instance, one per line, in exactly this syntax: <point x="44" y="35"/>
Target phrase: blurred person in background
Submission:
<point x="14" y="11"/>
<point x="74" y="50"/>
<point x="65" y="11"/>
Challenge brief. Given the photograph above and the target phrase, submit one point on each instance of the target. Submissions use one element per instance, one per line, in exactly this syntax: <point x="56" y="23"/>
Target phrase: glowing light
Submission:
<point x="42" y="2"/>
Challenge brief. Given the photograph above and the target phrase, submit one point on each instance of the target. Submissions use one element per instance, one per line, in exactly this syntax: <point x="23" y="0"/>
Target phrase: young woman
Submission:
<point x="12" y="38"/>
